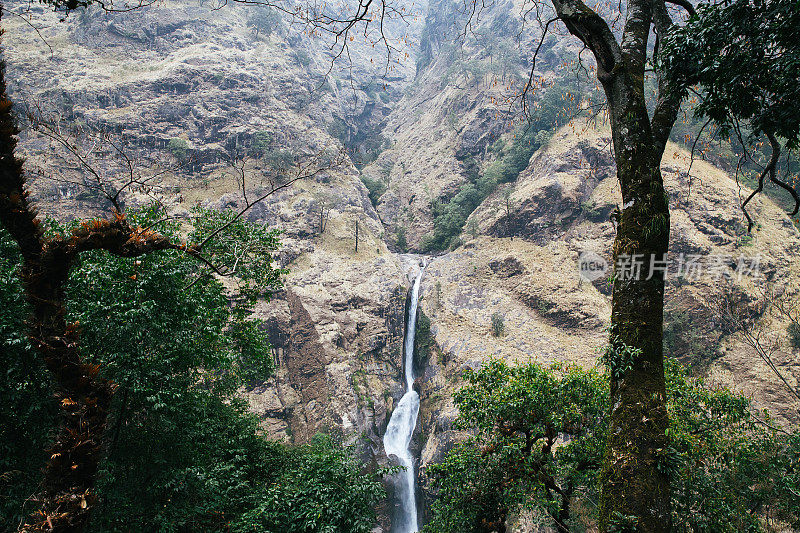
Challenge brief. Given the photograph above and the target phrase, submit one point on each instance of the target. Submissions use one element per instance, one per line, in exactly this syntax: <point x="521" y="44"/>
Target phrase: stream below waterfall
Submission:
<point x="397" y="439"/>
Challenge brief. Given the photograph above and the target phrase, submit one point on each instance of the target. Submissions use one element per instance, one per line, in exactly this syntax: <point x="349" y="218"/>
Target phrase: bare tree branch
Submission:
<point x="685" y="4"/>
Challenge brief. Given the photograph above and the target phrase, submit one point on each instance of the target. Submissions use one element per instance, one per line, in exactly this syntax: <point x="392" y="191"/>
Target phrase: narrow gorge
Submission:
<point x="397" y="439"/>
<point x="215" y="106"/>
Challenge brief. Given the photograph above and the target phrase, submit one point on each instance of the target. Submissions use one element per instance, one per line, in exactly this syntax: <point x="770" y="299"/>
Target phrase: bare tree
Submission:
<point x="755" y="319"/>
<point x="325" y="202"/>
<point x="509" y="205"/>
<point x="67" y="497"/>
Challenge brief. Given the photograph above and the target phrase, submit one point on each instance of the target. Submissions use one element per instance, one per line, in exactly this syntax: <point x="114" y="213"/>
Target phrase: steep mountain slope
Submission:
<point x="465" y="97"/>
<point x="196" y="94"/>
<point x="562" y="203"/>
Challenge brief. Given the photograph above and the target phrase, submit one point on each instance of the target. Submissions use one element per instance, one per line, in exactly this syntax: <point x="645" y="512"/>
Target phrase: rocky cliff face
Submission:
<point x="523" y="268"/>
<point x="197" y="96"/>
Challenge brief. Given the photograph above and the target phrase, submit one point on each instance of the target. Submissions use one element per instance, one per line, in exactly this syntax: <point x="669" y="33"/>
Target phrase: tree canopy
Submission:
<point x="183" y="452"/>
<point x="536" y="447"/>
<point x="744" y="57"/>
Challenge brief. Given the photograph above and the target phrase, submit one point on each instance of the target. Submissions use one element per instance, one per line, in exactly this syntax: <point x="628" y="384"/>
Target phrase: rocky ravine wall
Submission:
<point x="562" y="201"/>
<point x="178" y="72"/>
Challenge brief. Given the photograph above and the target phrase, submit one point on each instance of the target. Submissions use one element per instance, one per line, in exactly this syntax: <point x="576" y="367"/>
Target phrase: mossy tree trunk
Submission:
<point x="634" y="485"/>
<point x="66" y="495"/>
<point x="635" y="492"/>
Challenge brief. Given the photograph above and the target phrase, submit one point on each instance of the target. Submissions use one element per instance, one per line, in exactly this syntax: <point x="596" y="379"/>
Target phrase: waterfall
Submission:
<point x="397" y="438"/>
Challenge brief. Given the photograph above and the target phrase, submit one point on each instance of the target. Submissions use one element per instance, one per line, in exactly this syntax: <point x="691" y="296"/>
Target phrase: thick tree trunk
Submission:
<point x="635" y="488"/>
<point x="84" y="398"/>
<point x="635" y="493"/>
<point x="66" y="496"/>
<point x="634" y="481"/>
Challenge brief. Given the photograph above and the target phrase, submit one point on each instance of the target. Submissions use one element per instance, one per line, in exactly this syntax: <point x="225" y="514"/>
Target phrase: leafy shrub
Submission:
<point x="592" y="211"/>
<point x="498" y="325"/>
<point x="472" y="228"/>
<point x="281" y="159"/>
<point x="728" y="469"/>
<point x="261" y="143"/>
<point x="319" y="487"/>
<point x="376" y="189"/>
<point x="178" y="147"/>
<point x="401" y="242"/>
<point x="423" y="339"/>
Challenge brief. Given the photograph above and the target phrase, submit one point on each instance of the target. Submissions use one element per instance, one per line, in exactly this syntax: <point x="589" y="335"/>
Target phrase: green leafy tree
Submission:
<point x="538" y="444"/>
<point x="183" y="453"/>
<point x="728" y="465"/>
<point x="744" y="57"/>
<point x="498" y="325"/>
<point x="321" y="488"/>
<point x="179" y="148"/>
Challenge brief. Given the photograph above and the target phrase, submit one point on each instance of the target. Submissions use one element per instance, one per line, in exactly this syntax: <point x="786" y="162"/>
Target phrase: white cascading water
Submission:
<point x="397" y="438"/>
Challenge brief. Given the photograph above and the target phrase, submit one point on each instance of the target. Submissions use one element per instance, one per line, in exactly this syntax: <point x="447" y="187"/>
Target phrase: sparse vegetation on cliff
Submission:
<point x="375" y="187"/>
<point x="560" y="102"/>
<point x="178" y="147"/>
<point x="498" y="325"/>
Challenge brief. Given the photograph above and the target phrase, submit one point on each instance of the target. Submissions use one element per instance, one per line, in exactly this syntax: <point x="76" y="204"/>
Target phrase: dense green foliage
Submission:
<point x="375" y="187"/>
<point x="741" y="59"/>
<point x="183" y="453"/>
<point x="401" y="243"/>
<point x="518" y="414"/>
<point x="559" y="102"/>
<point x="729" y="468"/>
<point x="27" y="416"/>
<point x="241" y="249"/>
<point x="537" y="444"/>
<point x="320" y="488"/>
<point x="745" y="56"/>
